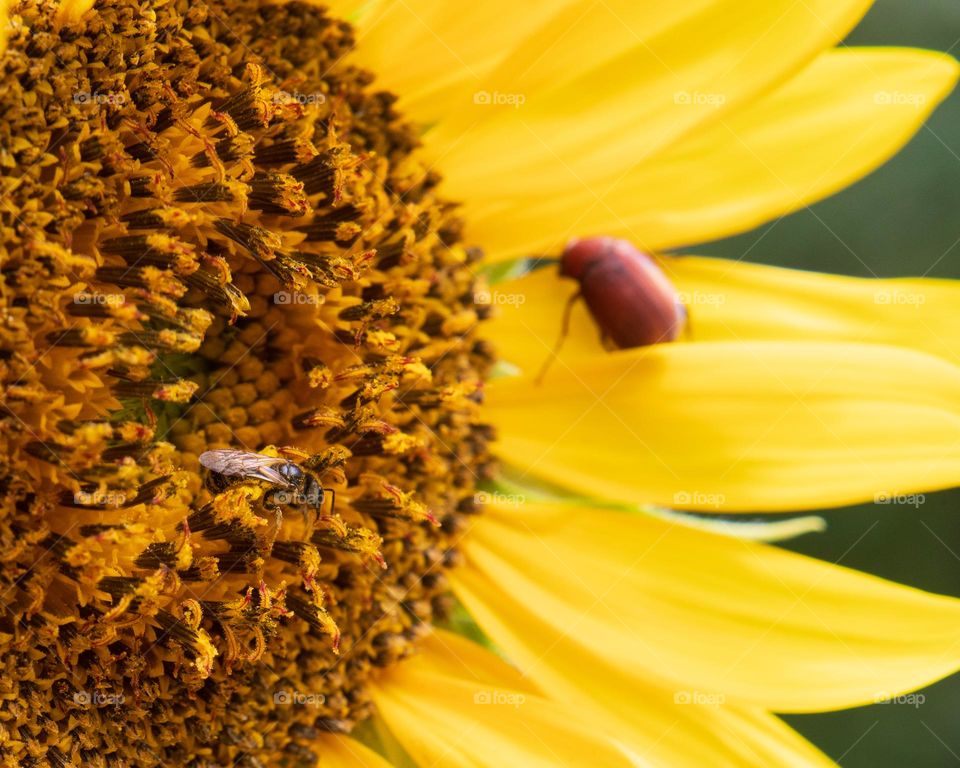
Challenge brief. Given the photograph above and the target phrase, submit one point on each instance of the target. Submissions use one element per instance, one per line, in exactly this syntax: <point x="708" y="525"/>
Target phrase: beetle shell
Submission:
<point x="631" y="300"/>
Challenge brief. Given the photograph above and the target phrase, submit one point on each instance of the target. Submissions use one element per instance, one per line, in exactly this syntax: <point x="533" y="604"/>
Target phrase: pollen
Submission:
<point x="218" y="236"/>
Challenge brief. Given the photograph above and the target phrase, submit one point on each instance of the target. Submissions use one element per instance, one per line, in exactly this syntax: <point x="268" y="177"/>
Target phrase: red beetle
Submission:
<point x="631" y="300"/>
<point x="628" y="295"/>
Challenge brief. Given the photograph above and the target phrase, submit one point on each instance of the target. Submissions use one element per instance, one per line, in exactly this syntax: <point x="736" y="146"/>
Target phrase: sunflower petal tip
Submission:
<point x="71" y="11"/>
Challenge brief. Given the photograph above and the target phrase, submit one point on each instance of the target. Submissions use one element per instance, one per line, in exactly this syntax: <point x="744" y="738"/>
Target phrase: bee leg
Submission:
<point x="216" y="483"/>
<point x="277" y="525"/>
<point x="270" y="501"/>
<point x="333" y="499"/>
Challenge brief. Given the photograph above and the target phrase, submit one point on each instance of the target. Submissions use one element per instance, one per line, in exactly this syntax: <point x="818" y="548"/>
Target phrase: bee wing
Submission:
<point x="245" y="464"/>
<point x="268" y="473"/>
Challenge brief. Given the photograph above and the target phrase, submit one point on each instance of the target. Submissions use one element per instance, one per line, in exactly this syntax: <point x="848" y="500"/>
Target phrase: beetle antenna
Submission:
<point x="564" y="330"/>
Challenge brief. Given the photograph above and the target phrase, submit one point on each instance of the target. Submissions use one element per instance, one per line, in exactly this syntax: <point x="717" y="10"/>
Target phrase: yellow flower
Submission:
<point x="219" y="236"/>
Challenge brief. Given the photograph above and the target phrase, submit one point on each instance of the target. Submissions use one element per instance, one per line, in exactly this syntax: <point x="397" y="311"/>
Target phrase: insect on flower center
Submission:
<point x="219" y="243"/>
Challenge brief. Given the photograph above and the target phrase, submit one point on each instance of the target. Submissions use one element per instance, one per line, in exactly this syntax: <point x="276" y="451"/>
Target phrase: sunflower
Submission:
<point x="252" y="416"/>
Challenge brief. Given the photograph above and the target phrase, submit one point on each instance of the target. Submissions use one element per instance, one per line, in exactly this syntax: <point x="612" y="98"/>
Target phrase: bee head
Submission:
<point x="292" y="473"/>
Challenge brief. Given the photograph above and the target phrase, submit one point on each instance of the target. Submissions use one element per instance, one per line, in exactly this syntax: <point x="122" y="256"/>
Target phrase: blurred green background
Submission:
<point x="903" y="220"/>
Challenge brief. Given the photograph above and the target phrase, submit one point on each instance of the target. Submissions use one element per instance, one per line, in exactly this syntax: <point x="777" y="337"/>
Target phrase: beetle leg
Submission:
<point x="687" y="325"/>
<point x="564" y="330"/>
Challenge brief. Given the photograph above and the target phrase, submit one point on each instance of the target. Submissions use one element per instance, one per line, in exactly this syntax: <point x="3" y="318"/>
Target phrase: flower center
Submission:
<point x="218" y="237"/>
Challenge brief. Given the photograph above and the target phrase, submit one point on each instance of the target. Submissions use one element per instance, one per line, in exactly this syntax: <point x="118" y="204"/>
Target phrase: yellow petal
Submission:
<point x="836" y="121"/>
<point x="527" y="319"/>
<point x="452" y="655"/>
<point x="601" y="601"/>
<point x="568" y="55"/>
<point x="374" y="732"/>
<point x="4" y="22"/>
<point x="654" y="724"/>
<point x="337" y="751"/>
<point x="596" y="72"/>
<point x="735" y="301"/>
<point x="731" y="300"/>
<point x="434" y="54"/>
<point x="444" y="719"/>
<point x="71" y="11"/>
<point x="729" y="426"/>
<point x="357" y="12"/>
<point x="648" y="722"/>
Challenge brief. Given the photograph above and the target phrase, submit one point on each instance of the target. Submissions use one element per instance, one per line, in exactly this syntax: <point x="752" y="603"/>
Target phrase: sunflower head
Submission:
<point x="244" y="413"/>
<point x="218" y="238"/>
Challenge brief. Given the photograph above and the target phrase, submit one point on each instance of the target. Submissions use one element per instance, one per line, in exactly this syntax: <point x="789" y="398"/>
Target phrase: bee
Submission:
<point x="295" y="486"/>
